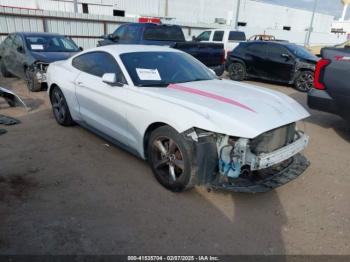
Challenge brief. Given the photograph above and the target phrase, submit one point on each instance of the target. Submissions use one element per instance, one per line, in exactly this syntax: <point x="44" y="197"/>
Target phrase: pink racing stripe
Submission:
<point x="209" y="95"/>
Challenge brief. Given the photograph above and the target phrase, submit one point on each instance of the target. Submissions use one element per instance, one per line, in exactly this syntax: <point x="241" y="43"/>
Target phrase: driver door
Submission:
<point x="102" y="106"/>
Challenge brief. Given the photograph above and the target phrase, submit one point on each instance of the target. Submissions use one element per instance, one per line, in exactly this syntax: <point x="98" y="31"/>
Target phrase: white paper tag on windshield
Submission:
<point x="37" y="47"/>
<point x="148" y="74"/>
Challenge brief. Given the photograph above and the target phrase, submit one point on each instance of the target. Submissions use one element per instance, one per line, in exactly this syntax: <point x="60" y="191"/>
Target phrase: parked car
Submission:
<point x="210" y="54"/>
<point x="316" y="50"/>
<point x="27" y="55"/>
<point x="332" y="91"/>
<point x="228" y="37"/>
<point x="262" y="38"/>
<point x="165" y="106"/>
<point x="276" y="61"/>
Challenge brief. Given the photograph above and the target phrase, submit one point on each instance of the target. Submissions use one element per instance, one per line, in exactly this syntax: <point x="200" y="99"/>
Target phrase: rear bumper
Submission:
<point x="219" y="70"/>
<point x="322" y="101"/>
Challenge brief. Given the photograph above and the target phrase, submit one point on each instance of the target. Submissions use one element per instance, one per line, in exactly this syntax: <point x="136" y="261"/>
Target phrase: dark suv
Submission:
<point x="276" y="61"/>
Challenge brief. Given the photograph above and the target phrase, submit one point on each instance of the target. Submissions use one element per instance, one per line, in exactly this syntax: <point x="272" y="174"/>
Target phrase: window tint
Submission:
<point x="119" y="32"/>
<point x="130" y="33"/>
<point x="218" y="36"/>
<point x="8" y="40"/>
<point x="96" y="63"/>
<point x="276" y="51"/>
<point x="17" y="42"/>
<point x="256" y="48"/>
<point x="164" y="33"/>
<point x="205" y="36"/>
<point x="236" y="36"/>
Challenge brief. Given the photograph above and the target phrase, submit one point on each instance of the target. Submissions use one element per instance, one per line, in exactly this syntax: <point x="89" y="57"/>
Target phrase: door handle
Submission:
<point x="79" y="83"/>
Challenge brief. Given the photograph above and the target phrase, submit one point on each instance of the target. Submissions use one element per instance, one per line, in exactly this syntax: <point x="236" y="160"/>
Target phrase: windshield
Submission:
<point x="157" y="69"/>
<point x="49" y="43"/>
<point x="301" y="52"/>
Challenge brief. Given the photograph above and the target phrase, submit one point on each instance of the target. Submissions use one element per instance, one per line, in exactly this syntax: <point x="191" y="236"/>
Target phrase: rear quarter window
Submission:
<point x="236" y="36"/>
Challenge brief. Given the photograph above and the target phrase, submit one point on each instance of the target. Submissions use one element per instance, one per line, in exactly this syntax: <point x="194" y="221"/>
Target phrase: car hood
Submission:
<point x="230" y="107"/>
<point x="49" y="57"/>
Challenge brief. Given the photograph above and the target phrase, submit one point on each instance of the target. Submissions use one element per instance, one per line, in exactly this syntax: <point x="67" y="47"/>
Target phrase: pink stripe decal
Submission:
<point x="209" y="95"/>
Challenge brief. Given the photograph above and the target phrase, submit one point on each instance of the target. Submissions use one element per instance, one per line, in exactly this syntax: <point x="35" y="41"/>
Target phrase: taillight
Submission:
<point x="223" y="58"/>
<point x="320" y="66"/>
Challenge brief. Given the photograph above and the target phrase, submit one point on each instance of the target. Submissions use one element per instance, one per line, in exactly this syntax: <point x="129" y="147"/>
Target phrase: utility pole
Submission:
<point x="75" y="3"/>
<point x="166" y="8"/>
<point x="237" y="13"/>
<point x="307" y="42"/>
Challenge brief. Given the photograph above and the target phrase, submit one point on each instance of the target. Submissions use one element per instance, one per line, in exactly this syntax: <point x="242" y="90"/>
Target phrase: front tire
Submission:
<point x="304" y="81"/>
<point x="237" y="71"/>
<point x="60" y="108"/>
<point x="171" y="159"/>
<point x="32" y="82"/>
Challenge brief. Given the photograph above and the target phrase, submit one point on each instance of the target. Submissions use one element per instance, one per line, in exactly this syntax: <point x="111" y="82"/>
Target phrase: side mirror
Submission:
<point x="20" y="49"/>
<point x="111" y="79"/>
<point x="113" y="37"/>
<point x="80" y="48"/>
<point x="194" y="39"/>
<point x="286" y="56"/>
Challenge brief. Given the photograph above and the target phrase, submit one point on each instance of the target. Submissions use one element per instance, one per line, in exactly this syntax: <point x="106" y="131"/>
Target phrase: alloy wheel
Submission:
<point x="59" y="105"/>
<point x="305" y="82"/>
<point x="167" y="159"/>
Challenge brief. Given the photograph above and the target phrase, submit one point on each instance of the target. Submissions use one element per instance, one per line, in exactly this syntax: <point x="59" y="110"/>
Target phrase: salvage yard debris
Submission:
<point x="11" y="98"/>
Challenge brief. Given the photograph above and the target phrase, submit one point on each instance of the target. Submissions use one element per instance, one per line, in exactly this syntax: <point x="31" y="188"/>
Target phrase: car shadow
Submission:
<point x="92" y="198"/>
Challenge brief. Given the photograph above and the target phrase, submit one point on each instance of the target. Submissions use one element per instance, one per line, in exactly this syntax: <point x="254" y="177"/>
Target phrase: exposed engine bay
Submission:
<point x="245" y="165"/>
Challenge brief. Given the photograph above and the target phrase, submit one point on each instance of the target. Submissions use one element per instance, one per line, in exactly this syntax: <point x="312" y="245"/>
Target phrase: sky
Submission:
<point x="333" y="7"/>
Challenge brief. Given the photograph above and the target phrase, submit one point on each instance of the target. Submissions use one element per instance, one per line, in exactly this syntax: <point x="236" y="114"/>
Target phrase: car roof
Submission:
<point x="36" y="34"/>
<point x="283" y="43"/>
<point x="118" y="49"/>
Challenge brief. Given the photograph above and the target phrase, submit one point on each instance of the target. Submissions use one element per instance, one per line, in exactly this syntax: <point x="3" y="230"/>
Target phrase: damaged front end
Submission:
<point x="249" y="165"/>
<point x="36" y="76"/>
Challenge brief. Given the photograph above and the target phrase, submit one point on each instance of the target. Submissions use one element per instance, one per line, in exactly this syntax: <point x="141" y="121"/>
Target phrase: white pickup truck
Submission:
<point x="230" y="38"/>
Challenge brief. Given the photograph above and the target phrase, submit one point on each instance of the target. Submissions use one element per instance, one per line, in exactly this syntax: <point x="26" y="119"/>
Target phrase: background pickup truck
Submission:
<point x="210" y="54"/>
<point x="332" y="77"/>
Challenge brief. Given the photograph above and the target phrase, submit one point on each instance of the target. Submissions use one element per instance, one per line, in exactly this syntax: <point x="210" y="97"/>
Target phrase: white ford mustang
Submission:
<point x="194" y="129"/>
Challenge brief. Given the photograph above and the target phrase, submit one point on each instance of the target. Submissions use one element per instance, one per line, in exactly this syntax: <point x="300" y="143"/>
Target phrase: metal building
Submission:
<point x="253" y="13"/>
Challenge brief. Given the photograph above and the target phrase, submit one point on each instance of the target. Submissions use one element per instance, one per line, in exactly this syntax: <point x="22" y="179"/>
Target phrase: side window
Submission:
<point x="119" y="32"/>
<point x="258" y="49"/>
<point x="236" y="36"/>
<point x="130" y="33"/>
<point x="205" y="36"/>
<point x="276" y="51"/>
<point x="8" y="40"/>
<point x="17" y="42"/>
<point x="97" y="64"/>
<point x="218" y="36"/>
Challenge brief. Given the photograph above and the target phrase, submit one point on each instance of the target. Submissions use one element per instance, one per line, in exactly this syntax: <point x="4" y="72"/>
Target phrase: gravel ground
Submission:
<point x="66" y="191"/>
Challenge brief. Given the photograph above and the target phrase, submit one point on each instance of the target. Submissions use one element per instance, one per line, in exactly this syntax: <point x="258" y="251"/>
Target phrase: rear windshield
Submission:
<point x="164" y="33"/>
<point x="236" y="36"/>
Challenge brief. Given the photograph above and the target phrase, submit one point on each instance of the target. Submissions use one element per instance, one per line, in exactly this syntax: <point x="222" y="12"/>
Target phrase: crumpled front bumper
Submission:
<point x="266" y="182"/>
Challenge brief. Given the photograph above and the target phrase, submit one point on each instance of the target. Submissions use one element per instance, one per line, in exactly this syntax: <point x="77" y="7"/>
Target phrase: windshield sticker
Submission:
<point x="37" y="47"/>
<point x="148" y="74"/>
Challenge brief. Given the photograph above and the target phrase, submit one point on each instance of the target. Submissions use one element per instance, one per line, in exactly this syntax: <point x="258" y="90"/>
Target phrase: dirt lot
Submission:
<point x="65" y="191"/>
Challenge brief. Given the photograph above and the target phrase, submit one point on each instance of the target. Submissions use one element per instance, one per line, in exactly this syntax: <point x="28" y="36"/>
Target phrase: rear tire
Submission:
<point x="171" y="159"/>
<point x="60" y="107"/>
<point x="3" y="70"/>
<point x="237" y="71"/>
<point x="304" y="81"/>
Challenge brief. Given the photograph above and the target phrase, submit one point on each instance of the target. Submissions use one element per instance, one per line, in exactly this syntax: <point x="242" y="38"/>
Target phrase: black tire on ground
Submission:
<point x="3" y="70"/>
<point x="304" y="81"/>
<point x="171" y="159"/>
<point x="237" y="71"/>
<point x="32" y="83"/>
<point x="60" y="107"/>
